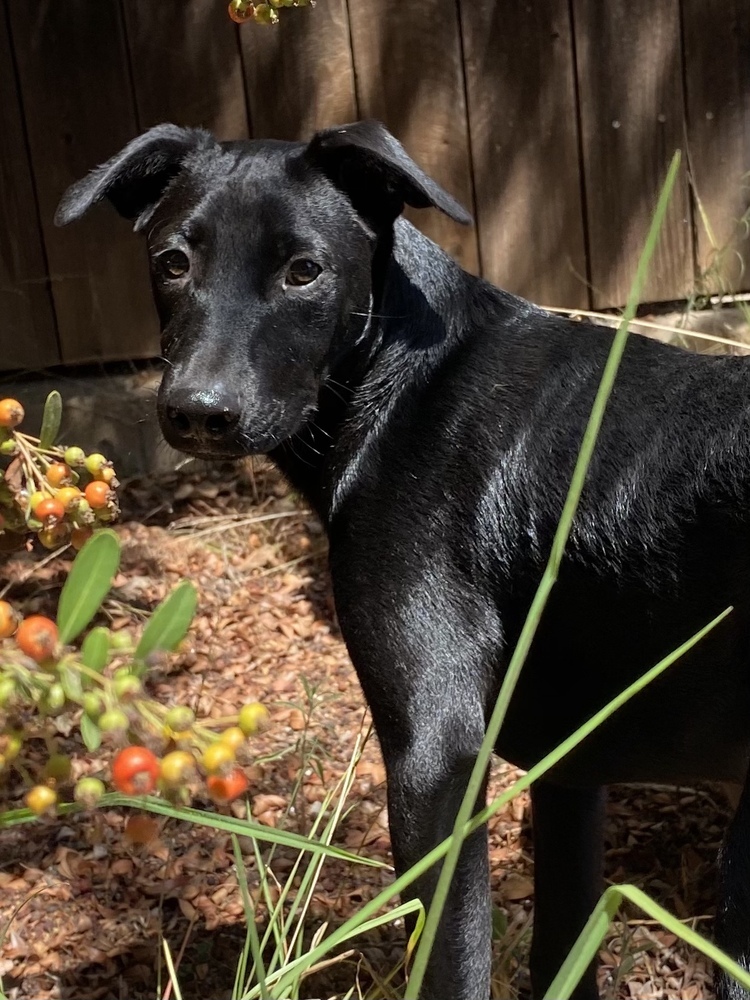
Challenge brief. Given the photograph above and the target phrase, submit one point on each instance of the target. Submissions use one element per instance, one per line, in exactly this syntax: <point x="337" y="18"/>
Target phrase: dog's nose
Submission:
<point x="198" y="414"/>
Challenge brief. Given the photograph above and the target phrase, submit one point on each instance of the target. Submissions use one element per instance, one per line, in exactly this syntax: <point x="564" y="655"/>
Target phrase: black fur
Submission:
<point x="433" y="422"/>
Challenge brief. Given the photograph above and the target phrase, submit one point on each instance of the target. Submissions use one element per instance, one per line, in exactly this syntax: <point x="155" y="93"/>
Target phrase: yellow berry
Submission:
<point x="253" y="718"/>
<point x="217" y="757"/>
<point x="41" y="799"/>
<point x="233" y="737"/>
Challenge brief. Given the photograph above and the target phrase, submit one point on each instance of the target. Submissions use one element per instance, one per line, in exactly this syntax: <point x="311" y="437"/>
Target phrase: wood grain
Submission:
<point x="186" y="69"/>
<point x="632" y="121"/>
<point x="27" y="324"/>
<point x="298" y="73"/>
<point x="78" y="107"/>
<point x="520" y="78"/>
<point x="408" y="63"/>
<point x="717" y="84"/>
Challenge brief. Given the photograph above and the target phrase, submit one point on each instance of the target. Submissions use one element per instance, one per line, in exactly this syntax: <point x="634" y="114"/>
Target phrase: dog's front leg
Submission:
<point x="426" y="783"/>
<point x="733" y="915"/>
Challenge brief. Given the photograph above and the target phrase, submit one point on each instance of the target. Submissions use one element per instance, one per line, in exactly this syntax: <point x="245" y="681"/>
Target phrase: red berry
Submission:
<point x="135" y="771"/>
<point x="49" y="509"/>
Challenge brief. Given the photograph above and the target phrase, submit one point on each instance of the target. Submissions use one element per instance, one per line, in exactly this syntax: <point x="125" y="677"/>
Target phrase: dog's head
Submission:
<point x="261" y="258"/>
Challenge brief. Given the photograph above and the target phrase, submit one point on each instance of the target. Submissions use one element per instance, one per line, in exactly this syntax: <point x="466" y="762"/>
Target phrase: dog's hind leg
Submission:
<point x="568" y="853"/>
<point x="733" y="913"/>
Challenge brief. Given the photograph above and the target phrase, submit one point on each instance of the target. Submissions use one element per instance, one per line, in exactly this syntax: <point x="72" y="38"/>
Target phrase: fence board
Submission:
<point x="408" y="63"/>
<point x="79" y="110"/>
<point x="27" y="333"/>
<point x="523" y="124"/>
<point x="632" y="118"/>
<point x="717" y="79"/>
<point x="186" y="69"/>
<point x="298" y="74"/>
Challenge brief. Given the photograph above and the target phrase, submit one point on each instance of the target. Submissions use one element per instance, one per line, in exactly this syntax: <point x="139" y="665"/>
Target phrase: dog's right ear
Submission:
<point x="135" y="179"/>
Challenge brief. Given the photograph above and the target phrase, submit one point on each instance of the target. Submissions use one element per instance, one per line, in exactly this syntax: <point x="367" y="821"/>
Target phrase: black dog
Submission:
<point x="433" y="422"/>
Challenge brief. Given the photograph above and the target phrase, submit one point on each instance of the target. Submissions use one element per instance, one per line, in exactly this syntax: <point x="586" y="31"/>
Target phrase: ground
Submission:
<point x="86" y="909"/>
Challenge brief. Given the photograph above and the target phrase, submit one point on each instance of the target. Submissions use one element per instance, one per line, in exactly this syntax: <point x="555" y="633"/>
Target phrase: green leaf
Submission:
<point x="88" y="583"/>
<point x="51" y="420"/>
<point x="169" y="623"/>
<point x="95" y="649"/>
<point x="91" y="734"/>
<point x="71" y="682"/>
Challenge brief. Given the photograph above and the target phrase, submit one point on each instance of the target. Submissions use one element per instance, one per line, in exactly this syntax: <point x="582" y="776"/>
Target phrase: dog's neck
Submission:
<point x="415" y="290"/>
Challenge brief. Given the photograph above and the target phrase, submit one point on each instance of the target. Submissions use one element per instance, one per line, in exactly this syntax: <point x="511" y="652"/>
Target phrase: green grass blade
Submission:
<point x="88" y="583"/>
<point x="584" y="950"/>
<point x="227" y="824"/>
<point x="540" y="598"/>
<point x="51" y="419"/>
<point x="252" y="930"/>
<point x="171" y="969"/>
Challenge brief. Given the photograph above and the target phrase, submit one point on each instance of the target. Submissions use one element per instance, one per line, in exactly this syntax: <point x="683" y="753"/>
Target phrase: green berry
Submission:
<point x="121" y="640"/>
<point x="92" y="705"/>
<point x="75" y="457"/>
<point x="54" y="700"/>
<point x="8" y="447"/>
<point x="114" y="720"/>
<point x="7" y="690"/>
<point x="95" y="463"/>
<point x="58" y="767"/>
<point x="126" y="686"/>
<point x="179" y="718"/>
<point x="88" y="791"/>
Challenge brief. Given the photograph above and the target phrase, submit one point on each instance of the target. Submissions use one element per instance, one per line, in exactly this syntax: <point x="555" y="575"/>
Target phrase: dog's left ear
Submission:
<point x="374" y="170"/>
<point x="136" y="177"/>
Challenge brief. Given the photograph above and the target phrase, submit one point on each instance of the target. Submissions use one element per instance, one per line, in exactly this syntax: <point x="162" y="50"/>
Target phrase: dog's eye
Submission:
<point x="173" y="263"/>
<point x="302" y="272"/>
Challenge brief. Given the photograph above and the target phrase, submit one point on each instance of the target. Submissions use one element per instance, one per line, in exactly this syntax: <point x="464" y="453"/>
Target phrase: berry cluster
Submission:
<point x="159" y="749"/>
<point x="262" y="13"/>
<point x="58" y="494"/>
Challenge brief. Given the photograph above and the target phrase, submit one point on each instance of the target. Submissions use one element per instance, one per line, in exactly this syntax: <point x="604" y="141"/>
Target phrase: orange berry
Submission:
<point x="217" y="757"/>
<point x="37" y="637"/>
<point x="49" y="509"/>
<point x="135" y="771"/>
<point x="68" y="496"/>
<point x="58" y="474"/>
<point x="9" y="619"/>
<point x="11" y="413"/>
<point x="98" y="494"/>
<point x="226" y="788"/>
<point x="79" y="537"/>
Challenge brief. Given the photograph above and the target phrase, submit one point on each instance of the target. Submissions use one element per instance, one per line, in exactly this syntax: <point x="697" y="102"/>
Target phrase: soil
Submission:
<point x="86" y="908"/>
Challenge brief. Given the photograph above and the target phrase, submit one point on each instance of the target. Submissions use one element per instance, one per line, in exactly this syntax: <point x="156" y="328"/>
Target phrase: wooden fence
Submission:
<point x="553" y="120"/>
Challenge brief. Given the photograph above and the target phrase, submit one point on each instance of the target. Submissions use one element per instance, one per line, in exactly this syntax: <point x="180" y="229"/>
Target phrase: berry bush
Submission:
<point x="241" y="11"/>
<point x="67" y="677"/>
